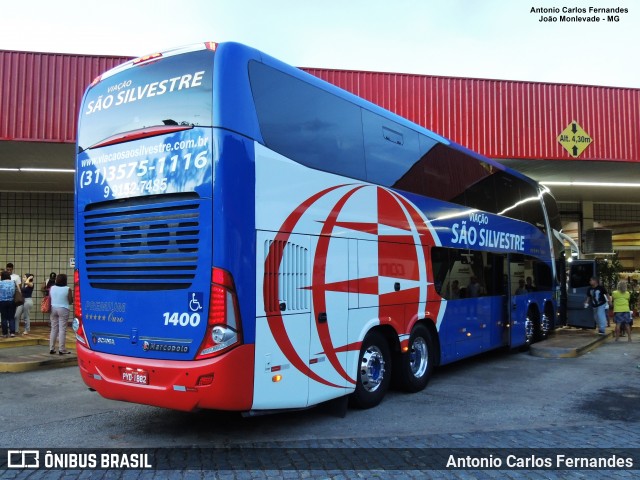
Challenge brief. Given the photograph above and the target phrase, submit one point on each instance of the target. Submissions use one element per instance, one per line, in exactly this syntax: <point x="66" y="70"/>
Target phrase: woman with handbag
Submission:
<point x="45" y="303"/>
<point x="7" y="305"/>
<point x="48" y="284"/>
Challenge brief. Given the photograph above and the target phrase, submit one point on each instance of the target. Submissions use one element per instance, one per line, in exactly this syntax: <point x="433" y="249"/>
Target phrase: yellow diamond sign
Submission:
<point x="574" y="139"/>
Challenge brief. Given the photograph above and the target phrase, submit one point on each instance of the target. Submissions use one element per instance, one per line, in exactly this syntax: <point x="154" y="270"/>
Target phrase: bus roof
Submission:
<point x="365" y="104"/>
<point x="238" y="54"/>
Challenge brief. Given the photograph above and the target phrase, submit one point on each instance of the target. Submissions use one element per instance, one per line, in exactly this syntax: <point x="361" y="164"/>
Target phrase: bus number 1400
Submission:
<point x="183" y="319"/>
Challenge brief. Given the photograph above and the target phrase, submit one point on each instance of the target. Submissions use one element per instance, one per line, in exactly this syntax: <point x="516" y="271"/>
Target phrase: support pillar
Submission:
<point x="586" y="221"/>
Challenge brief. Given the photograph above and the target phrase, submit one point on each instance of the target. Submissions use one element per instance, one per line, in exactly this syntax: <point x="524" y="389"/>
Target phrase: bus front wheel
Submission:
<point x="374" y="371"/>
<point x="416" y="366"/>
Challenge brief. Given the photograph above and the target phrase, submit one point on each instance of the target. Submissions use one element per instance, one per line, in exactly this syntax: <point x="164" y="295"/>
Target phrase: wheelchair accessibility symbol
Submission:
<point x="196" y="301"/>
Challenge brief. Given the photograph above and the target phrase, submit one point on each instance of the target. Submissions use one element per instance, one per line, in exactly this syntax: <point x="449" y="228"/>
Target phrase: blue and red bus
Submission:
<point x="252" y="238"/>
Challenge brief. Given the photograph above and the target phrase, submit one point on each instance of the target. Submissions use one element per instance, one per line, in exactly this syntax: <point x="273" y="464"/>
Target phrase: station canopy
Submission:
<point x="523" y="125"/>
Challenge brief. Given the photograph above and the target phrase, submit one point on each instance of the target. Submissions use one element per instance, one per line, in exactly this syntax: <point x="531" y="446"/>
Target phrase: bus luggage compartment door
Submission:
<point x="283" y="307"/>
<point x="580" y="272"/>
<point x="518" y="304"/>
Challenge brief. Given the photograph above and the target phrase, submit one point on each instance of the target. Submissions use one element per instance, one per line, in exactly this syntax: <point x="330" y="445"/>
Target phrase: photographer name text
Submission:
<point x="579" y="14"/>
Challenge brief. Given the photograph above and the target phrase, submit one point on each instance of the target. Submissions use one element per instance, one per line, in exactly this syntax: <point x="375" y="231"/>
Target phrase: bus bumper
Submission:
<point x="220" y="383"/>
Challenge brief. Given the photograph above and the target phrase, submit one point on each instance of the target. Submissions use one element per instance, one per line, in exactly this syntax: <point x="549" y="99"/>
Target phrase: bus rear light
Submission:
<point x="146" y="58"/>
<point x="204" y="380"/>
<point x="218" y="305"/>
<point x="223" y="324"/>
<point x="79" y="331"/>
<point x="222" y="278"/>
<point x="223" y="335"/>
<point x="77" y="305"/>
<point x="216" y="340"/>
<point x="77" y="310"/>
<point x="95" y="81"/>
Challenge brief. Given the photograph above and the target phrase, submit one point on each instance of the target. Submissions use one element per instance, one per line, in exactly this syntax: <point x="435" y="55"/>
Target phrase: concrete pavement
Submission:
<point x="23" y="353"/>
<point x="568" y="342"/>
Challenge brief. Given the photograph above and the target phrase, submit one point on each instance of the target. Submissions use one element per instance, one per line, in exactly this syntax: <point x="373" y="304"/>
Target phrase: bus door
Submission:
<point x="580" y="272"/>
<point x="517" y="303"/>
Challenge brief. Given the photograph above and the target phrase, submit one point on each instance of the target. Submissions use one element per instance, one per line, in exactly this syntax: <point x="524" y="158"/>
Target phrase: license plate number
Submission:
<point x="134" y="375"/>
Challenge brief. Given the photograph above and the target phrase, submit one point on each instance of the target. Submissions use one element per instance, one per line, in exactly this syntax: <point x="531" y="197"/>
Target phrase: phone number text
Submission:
<point x="141" y="168"/>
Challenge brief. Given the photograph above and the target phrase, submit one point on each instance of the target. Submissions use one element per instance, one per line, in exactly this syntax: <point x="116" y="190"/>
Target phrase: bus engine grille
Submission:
<point x="143" y="243"/>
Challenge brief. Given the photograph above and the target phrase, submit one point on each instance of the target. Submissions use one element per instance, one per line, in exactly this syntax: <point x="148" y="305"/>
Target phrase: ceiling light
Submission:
<point x="48" y="170"/>
<point x="591" y="184"/>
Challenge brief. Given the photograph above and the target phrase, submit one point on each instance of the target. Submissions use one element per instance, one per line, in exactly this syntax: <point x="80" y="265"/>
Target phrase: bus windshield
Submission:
<point x="171" y="91"/>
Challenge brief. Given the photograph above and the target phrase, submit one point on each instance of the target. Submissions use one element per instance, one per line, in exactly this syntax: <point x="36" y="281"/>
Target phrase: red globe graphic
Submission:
<point x="393" y="267"/>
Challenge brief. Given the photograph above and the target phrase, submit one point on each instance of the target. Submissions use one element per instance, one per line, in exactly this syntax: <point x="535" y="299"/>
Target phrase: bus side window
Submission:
<point x="542" y="275"/>
<point x="390" y="149"/>
<point x="439" y="264"/>
<point x="307" y="124"/>
<point x="459" y="273"/>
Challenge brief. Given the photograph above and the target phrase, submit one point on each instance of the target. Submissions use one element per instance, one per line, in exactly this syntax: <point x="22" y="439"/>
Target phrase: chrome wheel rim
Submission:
<point x="528" y="329"/>
<point x="545" y="324"/>
<point x="372" y="369"/>
<point x="418" y="357"/>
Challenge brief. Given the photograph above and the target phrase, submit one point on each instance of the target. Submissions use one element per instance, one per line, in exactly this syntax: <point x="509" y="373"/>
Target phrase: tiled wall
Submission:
<point x="622" y="218"/>
<point x="617" y="212"/>
<point x="36" y="235"/>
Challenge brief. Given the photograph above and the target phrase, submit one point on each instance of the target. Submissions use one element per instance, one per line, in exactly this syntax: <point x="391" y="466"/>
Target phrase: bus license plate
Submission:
<point x="134" y="375"/>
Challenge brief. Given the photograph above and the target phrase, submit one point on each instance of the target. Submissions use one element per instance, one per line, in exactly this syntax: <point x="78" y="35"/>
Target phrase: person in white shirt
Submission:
<point x="61" y="298"/>
<point x="14" y="276"/>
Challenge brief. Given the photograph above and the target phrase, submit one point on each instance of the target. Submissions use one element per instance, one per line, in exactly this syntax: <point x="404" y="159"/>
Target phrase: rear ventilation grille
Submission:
<point x="143" y="243"/>
<point x="288" y="284"/>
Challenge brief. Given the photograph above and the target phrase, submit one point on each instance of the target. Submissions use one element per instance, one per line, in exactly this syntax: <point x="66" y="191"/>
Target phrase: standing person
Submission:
<point x="598" y="298"/>
<point x="474" y="289"/>
<point x="453" y="290"/>
<point x="61" y="298"/>
<point x="48" y="284"/>
<point x="622" y="315"/>
<point x="529" y="285"/>
<point x="16" y="279"/>
<point x="24" y="310"/>
<point x="14" y="276"/>
<point x="7" y="307"/>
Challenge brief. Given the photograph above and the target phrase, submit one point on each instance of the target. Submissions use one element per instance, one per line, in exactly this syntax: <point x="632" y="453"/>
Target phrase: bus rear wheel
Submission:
<point x="416" y="366"/>
<point x="533" y="326"/>
<point x="374" y="371"/>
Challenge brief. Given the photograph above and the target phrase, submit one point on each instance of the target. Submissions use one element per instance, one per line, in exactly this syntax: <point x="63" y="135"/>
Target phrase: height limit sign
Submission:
<point x="574" y="139"/>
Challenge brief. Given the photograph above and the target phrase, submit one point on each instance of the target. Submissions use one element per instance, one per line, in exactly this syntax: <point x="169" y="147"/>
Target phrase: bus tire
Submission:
<point x="374" y="371"/>
<point x="416" y="366"/>
<point x="534" y="317"/>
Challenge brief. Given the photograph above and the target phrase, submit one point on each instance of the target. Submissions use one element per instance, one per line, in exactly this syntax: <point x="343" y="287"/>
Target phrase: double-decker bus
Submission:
<point x="252" y="238"/>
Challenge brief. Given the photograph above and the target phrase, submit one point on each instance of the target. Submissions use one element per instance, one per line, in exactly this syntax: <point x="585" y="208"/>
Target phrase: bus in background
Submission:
<point x="252" y="238"/>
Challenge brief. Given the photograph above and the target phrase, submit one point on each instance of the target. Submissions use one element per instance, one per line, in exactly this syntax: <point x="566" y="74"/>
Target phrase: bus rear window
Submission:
<point x="175" y="90"/>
